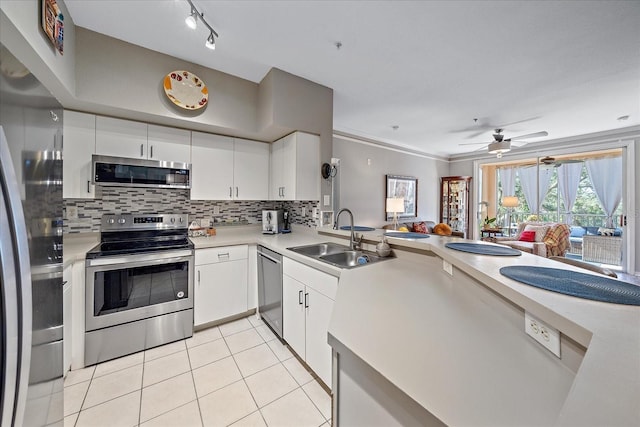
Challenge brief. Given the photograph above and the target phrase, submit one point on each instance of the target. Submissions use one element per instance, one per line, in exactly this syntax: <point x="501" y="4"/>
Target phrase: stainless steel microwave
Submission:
<point x="126" y="172"/>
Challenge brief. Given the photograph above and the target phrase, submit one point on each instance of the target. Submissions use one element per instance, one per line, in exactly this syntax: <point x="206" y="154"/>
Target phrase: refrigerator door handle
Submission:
<point x="16" y="271"/>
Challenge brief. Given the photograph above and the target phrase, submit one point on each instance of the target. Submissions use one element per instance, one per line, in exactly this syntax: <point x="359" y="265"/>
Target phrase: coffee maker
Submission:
<point x="272" y="221"/>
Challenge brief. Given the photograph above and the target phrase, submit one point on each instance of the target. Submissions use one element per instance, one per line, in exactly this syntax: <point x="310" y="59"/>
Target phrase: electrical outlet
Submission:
<point x="216" y="210"/>
<point x="72" y="212"/>
<point x="546" y="335"/>
<point x="446" y="266"/>
<point x="303" y="211"/>
<point x="327" y="200"/>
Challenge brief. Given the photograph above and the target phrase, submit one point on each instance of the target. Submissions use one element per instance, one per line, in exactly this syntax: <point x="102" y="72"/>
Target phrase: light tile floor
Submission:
<point x="236" y="374"/>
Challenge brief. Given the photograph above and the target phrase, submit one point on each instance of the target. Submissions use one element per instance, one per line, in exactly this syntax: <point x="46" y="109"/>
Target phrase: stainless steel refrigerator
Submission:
<point x="31" y="385"/>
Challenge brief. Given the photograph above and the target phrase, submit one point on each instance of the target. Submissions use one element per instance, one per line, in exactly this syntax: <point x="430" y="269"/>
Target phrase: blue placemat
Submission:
<point x="357" y="228"/>
<point x="406" y="235"/>
<point x="484" y="249"/>
<point x="576" y="284"/>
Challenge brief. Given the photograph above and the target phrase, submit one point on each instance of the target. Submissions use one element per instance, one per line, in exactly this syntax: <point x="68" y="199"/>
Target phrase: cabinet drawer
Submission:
<point x="221" y="254"/>
<point x="321" y="282"/>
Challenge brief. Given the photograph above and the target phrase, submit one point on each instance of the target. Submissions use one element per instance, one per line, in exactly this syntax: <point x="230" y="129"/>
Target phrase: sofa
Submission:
<point x="414" y="226"/>
<point x="551" y="239"/>
<point x="595" y="236"/>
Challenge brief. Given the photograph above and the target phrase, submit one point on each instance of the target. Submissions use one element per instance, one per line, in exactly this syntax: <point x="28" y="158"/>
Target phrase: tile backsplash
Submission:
<point x="152" y="200"/>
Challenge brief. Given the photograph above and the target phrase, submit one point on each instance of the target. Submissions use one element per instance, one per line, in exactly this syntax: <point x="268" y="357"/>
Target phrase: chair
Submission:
<point x="603" y="249"/>
<point x="555" y="243"/>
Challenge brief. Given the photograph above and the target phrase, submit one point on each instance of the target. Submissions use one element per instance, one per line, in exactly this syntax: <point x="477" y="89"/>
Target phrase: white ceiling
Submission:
<point x="429" y="67"/>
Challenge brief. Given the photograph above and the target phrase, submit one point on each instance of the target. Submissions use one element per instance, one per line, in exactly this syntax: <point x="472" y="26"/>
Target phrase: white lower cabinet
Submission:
<point x="307" y="299"/>
<point x="220" y="288"/>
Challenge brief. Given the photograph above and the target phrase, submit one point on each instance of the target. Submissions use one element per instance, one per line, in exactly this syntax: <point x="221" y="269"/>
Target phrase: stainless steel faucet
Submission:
<point x="354" y="241"/>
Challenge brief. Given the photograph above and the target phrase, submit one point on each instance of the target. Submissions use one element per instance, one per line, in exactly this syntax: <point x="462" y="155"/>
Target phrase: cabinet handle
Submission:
<point x="230" y="192"/>
<point x="236" y="191"/>
<point x="88" y="186"/>
<point x="141" y="150"/>
<point x="300" y="297"/>
<point x="198" y="277"/>
<point x="282" y="191"/>
<point x="225" y="255"/>
<point x="306" y="300"/>
<point x="151" y="156"/>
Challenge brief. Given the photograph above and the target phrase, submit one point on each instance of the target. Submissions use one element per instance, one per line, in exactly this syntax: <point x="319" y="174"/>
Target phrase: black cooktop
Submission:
<point x="136" y="247"/>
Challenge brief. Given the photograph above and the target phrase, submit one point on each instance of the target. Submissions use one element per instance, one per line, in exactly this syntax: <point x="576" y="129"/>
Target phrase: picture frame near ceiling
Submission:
<point x="52" y="23"/>
<point x="406" y="188"/>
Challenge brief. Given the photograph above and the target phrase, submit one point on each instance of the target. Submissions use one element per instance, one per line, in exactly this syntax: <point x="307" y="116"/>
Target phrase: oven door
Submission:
<point x="127" y="288"/>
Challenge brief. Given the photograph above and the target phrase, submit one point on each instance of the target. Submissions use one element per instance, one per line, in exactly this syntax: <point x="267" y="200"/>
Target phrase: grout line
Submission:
<point x="194" y="384"/>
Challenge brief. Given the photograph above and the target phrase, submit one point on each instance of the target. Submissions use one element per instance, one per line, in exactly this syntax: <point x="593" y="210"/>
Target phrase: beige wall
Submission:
<point x="363" y="185"/>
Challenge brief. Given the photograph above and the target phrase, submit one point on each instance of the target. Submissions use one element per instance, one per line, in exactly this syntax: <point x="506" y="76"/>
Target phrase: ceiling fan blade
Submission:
<point x="475" y="143"/>
<point x="530" y="135"/>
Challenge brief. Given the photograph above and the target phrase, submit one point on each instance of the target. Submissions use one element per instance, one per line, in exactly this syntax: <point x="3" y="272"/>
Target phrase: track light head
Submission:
<point x="211" y="42"/>
<point x="191" y="20"/>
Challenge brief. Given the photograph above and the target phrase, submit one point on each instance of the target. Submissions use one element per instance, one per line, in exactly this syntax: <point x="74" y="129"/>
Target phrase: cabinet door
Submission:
<point x="211" y="167"/>
<point x="170" y="144"/>
<point x="293" y="314"/>
<point x="307" y="174"/>
<point x="289" y="168"/>
<point x="79" y="145"/>
<point x="275" y="170"/>
<point x="121" y="138"/>
<point x="251" y="170"/>
<point x="318" y="352"/>
<point x="220" y="291"/>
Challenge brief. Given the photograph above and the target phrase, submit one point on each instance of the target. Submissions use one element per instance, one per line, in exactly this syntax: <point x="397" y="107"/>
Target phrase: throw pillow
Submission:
<point x="420" y="227"/>
<point x="602" y="231"/>
<point x="578" y="231"/>
<point x="442" y="229"/>
<point x="540" y="231"/>
<point x="527" y="236"/>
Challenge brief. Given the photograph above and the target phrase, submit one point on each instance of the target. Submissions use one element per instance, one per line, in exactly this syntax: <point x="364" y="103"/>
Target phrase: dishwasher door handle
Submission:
<point x="263" y="255"/>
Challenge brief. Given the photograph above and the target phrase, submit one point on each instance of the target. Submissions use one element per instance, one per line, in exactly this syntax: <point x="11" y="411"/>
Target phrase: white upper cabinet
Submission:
<point x="224" y="168"/>
<point x="295" y="167"/>
<point x="126" y="138"/>
<point x="250" y="170"/>
<point x="121" y="138"/>
<point x="79" y="130"/>
<point x="211" y="167"/>
<point x="171" y="144"/>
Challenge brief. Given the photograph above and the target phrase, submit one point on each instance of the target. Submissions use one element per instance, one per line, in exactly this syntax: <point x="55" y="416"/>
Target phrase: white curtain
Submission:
<point x="508" y="180"/>
<point x="568" y="181"/>
<point x="606" y="179"/>
<point x="528" y="179"/>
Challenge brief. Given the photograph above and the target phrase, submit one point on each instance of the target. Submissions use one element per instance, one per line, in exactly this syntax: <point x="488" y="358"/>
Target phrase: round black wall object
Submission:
<point x="326" y="170"/>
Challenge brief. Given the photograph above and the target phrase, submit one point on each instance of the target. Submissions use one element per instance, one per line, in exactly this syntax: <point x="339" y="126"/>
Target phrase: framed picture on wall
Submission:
<point x="403" y="187"/>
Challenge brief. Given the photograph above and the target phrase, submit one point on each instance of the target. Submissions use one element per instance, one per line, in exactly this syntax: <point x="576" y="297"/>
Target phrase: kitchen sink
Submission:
<point x="319" y="249"/>
<point x="338" y="255"/>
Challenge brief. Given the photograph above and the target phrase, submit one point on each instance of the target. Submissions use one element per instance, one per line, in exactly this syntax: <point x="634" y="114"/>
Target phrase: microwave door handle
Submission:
<point x="16" y="277"/>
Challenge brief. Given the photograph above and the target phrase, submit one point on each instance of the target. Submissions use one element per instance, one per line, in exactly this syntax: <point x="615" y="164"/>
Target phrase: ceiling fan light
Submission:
<point x="499" y="147"/>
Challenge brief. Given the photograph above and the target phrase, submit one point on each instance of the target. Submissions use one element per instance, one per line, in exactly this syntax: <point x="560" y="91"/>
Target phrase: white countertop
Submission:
<point x="76" y="245"/>
<point x="606" y="387"/>
<point x="402" y="294"/>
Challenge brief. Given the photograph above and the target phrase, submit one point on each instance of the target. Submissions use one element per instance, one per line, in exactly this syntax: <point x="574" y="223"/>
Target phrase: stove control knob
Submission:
<point x="111" y="221"/>
<point x="181" y="219"/>
<point x="173" y="220"/>
<point x="121" y="220"/>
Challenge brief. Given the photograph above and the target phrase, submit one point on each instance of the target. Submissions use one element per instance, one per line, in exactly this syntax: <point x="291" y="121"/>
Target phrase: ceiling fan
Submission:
<point x="500" y="145"/>
<point x="551" y="161"/>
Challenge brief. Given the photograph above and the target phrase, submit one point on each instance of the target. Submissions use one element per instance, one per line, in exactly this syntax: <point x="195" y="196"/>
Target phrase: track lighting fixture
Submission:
<point x="192" y="22"/>
<point x="191" y="19"/>
<point x="211" y="42"/>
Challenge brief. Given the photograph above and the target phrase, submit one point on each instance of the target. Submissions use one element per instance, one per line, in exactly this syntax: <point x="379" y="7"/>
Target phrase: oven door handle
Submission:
<point x="152" y="259"/>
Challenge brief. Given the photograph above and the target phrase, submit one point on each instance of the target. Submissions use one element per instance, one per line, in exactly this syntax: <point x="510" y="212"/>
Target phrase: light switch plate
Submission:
<point x="446" y="266"/>
<point x="546" y="335"/>
<point x="72" y="212"/>
<point x="327" y="200"/>
<point x="216" y="210"/>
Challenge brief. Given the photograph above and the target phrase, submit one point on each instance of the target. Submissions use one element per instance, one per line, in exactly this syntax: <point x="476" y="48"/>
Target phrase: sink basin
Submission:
<point x="319" y="249"/>
<point x="337" y="255"/>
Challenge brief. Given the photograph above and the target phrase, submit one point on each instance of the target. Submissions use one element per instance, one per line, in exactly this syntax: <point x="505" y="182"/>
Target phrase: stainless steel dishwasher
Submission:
<point x="270" y="288"/>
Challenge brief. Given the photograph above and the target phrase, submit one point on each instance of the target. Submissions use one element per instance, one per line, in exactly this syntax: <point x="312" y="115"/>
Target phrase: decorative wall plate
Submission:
<point x="186" y="90"/>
